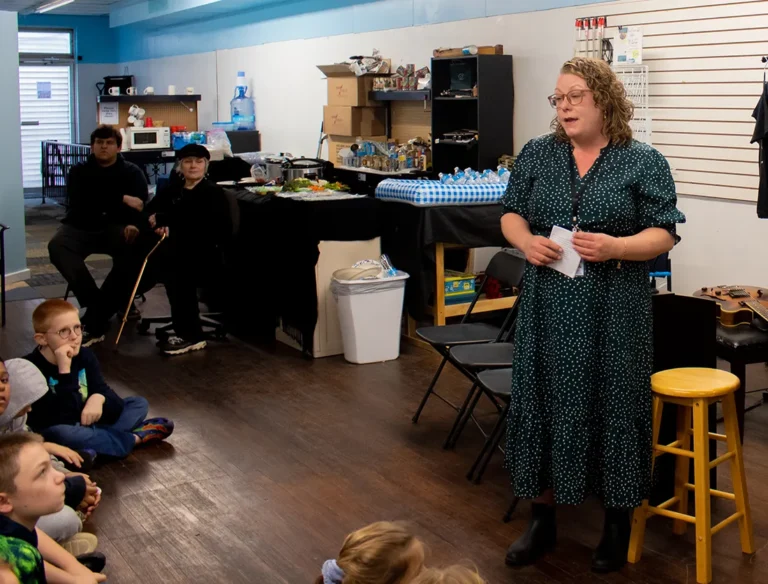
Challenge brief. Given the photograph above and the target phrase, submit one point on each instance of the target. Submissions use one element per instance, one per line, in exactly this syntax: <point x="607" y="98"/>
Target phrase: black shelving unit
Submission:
<point x="490" y="113"/>
<point x="417" y="95"/>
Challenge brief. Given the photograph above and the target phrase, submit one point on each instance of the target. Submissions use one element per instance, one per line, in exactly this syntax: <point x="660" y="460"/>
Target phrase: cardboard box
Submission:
<point x="351" y="91"/>
<point x="354" y="121"/>
<point x="337" y="143"/>
<point x="343" y="70"/>
<point x="345" y="88"/>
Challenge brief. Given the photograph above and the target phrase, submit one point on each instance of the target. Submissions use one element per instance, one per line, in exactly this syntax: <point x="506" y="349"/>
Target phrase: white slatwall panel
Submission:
<point x="705" y="80"/>
<point x="54" y="115"/>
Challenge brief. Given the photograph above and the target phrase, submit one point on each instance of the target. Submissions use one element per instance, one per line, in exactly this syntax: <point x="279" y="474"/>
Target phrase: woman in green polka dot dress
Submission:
<point x="580" y="421"/>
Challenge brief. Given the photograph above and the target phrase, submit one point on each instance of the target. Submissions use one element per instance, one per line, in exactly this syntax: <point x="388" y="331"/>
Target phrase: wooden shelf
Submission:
<point x="483" y="305"/>
<point x="137" y="99"/>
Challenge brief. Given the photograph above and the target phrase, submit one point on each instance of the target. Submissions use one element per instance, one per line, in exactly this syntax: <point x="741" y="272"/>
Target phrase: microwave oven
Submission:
<point x="148" y="139"/>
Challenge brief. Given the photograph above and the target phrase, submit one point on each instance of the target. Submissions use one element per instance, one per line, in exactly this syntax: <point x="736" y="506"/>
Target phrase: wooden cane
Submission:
<point x="136" y="287"/>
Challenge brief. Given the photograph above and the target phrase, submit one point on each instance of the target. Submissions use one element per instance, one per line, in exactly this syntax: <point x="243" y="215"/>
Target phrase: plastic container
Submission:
<point x="226" y="126"/>
<point x="242" y="107"/>
<point x="459" y="287"/>
<point x="370" y="312"/>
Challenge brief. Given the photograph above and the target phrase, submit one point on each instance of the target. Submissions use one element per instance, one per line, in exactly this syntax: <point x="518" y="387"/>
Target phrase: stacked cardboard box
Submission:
<point x="350" y="113"/>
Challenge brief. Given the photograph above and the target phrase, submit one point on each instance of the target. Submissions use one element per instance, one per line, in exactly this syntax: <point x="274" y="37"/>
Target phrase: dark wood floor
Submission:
<point x="276" y="458"/>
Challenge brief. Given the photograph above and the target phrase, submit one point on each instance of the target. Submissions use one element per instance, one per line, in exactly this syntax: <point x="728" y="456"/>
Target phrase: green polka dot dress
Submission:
<point x="580" y="421"/>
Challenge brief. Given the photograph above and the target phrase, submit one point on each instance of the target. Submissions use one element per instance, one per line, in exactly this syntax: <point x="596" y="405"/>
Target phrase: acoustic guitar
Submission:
<point x="739" y="305"/>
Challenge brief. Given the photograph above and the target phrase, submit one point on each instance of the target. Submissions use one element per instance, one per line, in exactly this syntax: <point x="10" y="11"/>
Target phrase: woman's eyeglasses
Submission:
<point x="574" y="97"/>
<point x="66" y="332"/>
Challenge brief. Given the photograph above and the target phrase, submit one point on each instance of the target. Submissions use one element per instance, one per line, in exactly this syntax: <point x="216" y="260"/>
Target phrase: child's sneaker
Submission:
<point x="153" y="429"/>
<point x="95" y="561"/>
<point x="80" y="544"/>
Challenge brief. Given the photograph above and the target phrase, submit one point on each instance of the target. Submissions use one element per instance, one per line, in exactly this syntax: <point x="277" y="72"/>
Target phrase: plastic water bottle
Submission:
<point x="242" y="107"/>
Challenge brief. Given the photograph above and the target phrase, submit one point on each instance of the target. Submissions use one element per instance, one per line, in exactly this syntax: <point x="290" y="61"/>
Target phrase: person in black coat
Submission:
<point x="106" y="196"/>
<point x="194" y="213"/>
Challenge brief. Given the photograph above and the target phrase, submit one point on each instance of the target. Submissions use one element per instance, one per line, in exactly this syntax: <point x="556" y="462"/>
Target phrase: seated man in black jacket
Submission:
<point x="106" y="197"/>
<point x="195" y="215"/>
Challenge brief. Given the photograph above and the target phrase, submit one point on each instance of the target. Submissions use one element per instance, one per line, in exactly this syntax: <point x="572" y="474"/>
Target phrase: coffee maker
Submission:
<point x="121" y="81"/>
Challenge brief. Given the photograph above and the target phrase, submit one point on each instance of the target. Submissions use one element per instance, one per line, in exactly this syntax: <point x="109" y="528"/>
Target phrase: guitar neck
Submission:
<point x="757" y="308"/>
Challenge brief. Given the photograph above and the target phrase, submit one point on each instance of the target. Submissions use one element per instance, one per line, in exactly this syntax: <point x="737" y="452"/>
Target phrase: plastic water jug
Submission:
<point x="242" y="107"/>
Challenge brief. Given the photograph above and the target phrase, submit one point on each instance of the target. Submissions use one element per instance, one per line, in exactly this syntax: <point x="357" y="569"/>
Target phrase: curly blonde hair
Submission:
<point x="451" y="575"/>
<point x="609" y="95"/>
<point x="381" y="553"/>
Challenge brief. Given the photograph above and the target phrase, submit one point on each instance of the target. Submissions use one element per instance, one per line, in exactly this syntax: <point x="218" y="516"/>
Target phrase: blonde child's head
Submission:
<point x="57" y="323"/>
<point x="380" y="553"/>
<point x="450" y="575"/>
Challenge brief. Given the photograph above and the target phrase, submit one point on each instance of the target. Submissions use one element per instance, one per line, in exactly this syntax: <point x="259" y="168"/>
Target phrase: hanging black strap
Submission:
<point x="577" y="193"/>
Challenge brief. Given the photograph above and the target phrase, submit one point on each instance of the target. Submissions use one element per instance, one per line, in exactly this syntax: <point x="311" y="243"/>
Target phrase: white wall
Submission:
<point x="723" y="240"/>
<point x="198" y="71"/>
<point x="88" y="75"/>
<point x="11" y="193"/>
<point x="290" y="90"/>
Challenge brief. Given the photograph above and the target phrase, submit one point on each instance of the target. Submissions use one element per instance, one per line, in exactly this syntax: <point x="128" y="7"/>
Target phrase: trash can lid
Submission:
<point x="400" y="276"/>
<point x="357" y="273"/>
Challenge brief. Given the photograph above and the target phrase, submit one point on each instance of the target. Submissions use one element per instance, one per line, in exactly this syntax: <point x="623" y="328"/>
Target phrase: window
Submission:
<point x="46" y="42"/>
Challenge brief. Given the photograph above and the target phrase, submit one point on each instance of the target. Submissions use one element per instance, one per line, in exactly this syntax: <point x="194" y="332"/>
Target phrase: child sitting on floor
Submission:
<point x="381" y="553"/>
<point x="80" y="410"/>
<point x="22" y="384"/>
<point x="450" y="575"/>
<point x="30" y="488"/>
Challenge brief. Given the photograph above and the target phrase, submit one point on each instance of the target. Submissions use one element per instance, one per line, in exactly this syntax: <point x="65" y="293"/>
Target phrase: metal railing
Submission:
<point x="58" y="159"/>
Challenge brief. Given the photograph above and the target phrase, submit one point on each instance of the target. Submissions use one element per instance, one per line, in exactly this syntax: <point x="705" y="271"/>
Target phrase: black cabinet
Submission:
<point x="488" y="112"/>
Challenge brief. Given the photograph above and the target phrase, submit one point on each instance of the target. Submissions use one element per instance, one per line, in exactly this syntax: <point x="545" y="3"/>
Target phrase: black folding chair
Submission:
<point x="473" y="359"/>
<point x="497" y="382"/>
<point x="508" y="270"/>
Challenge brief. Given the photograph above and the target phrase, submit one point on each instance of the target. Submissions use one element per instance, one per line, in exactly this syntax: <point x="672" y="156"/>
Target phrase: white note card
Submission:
<point x="109" y="113"/>
<point x="571" y="260"/>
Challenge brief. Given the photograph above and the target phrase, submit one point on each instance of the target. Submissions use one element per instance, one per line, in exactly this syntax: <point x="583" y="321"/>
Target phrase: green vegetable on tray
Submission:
<point x="297" y="185"/>
<point x="303" y="184"/>
<point x="336" y="186"/>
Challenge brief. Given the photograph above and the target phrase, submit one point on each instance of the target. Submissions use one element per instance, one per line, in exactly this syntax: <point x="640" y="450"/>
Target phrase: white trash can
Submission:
<point x="370" y="312"/>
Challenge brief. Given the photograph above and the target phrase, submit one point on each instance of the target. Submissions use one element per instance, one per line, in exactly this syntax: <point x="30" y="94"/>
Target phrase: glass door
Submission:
<point x="46" y="75"/>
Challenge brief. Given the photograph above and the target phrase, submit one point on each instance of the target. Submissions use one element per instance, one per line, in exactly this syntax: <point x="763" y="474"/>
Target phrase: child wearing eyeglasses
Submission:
<point x="80" y="410"/>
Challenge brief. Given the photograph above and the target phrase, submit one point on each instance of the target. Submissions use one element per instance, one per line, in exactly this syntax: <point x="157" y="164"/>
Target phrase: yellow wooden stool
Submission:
<point x="693" y="390"/>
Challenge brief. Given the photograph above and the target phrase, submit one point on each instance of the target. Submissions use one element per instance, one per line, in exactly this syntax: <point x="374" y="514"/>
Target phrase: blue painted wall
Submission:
<point x="300" y="20"/>
<point x="95" y="41"/>
<point x="11" y="193"/>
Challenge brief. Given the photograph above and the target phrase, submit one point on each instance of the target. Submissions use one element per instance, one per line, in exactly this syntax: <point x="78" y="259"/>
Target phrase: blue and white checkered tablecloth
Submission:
<point x="429" y="193"/>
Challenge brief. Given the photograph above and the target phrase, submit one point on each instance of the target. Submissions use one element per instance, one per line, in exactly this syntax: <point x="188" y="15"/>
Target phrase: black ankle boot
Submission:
<point x="537" y="540"/>
<point x="611" y="553"/>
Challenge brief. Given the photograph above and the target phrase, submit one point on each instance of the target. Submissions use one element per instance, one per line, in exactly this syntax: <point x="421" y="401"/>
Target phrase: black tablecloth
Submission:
<point x="276" y="252"/>
<point x="411" y="233"/>
<point x="274" y="258"/>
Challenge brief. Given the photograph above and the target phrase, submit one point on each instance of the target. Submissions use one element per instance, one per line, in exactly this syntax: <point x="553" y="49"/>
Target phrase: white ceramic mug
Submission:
<point x="171" y="90"/>
<point x="131" y="91"/>
<point x="133" y="110"/>
<point x="114" y="91"/>
<point x="139" y="124"/>
<point x="149" y="91"/>
<point x="141" y="112"/>
<point x="132" y="119"/>
<point x="190" y="91"/>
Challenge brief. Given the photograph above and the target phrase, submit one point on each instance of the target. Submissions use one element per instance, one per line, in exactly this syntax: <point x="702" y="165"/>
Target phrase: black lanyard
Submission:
<point x="576" y="194"/>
